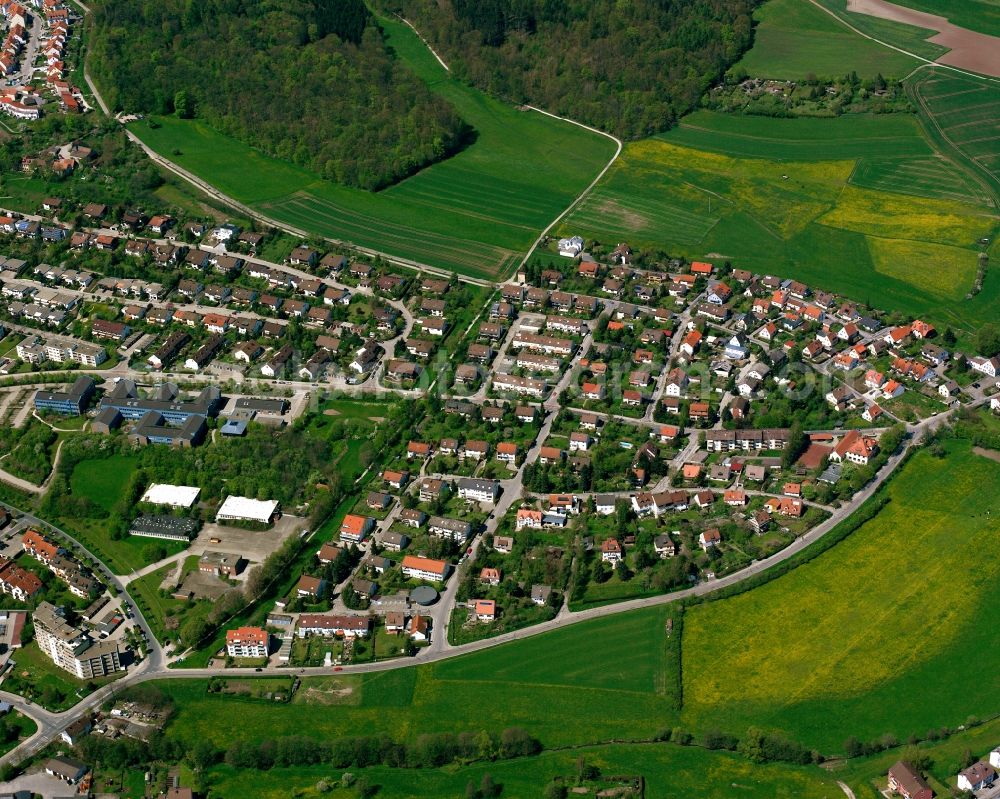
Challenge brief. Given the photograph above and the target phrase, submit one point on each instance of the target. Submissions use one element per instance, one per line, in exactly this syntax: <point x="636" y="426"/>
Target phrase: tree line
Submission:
<point x="309" y="82"/>
<point x="630" y="68"/>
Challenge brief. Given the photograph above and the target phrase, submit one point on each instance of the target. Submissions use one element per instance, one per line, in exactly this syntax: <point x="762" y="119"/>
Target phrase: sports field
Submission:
<point x="794" y="39"/>
<point x="670" y="772"/>
<point x="475" y="213"/>
<point x="862" y="205"/>
<point x="882" y="634"/>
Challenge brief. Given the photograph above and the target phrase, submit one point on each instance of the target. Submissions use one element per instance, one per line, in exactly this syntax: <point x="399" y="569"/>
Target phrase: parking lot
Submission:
<point x="253" y="545"/>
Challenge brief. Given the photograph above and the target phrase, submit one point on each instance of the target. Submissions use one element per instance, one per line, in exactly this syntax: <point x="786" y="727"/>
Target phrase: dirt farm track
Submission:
<point x="976" y="52"/>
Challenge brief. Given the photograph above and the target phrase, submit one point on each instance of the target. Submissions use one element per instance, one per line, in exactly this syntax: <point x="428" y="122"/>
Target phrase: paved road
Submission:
<point x="51" y="724"/>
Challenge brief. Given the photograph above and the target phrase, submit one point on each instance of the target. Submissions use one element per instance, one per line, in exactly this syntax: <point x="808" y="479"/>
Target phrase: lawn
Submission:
<point x="37" y="678"/>
<point x="710" y="190"/>
<point x="474" y="213"/>
<point x="155" y="607"/>
<point x="794" y="39"/>
<point x="882" y="634"/>
<point x="103" y="480"/>
<point x="670" y="772"/>
<point x="15" y="728"/>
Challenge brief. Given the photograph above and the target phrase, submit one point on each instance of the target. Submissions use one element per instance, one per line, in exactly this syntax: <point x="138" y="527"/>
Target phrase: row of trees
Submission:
<point x="630" y="68"/>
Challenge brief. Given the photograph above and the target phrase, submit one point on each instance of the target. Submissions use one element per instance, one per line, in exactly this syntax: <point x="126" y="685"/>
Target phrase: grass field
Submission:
<point x="836" y="203"/>
<point x="103" y="480"/>
<point x="474" y="213"/>
<point x="882" y="634"/>
<point x="960" y="115"/>
<point x="908" y="37"/>
<point x="976" y="15"/>
<point x="538" y="684"/>
<point x="794" y="39"/>
<point x="670" y="772"/>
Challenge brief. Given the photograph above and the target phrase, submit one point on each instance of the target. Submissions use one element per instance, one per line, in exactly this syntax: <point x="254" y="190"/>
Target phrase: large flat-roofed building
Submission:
<point x="72" y="649"/>
<point x="174" y="496"/>
<point x="168" y="528"/>
<point x="247" y="510"/>
<point x="155" y="428"/>
<point x="273" y="407"/>
<point x="164" y="400"/>
<point x="71" y="402"/>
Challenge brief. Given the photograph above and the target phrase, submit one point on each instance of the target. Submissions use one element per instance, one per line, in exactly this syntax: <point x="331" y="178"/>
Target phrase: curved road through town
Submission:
<point x="51" y="724"/>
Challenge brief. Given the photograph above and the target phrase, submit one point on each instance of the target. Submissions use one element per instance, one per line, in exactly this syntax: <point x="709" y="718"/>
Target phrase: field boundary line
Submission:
<point x="410" y="25"/>
<point x="582" y="195"/>
<point x="926" y="61"/>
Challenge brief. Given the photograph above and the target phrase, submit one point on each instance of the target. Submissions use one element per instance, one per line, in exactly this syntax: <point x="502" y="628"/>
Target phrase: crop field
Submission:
<point x="848" y="136"/>
<point x="670" y="772"/>
<point x="794" y="39"/>
<point x="963" y="114"/>
<point x="882" y="634"/>
<point x="933" y="176"/>
<point x="908" y="37"/>
<point x="715" y="188"/>
<point x="893" y="216"/>
<point x="976" y="15"/>
<point x="473" y="213"/>
<point x="538" y="683"/>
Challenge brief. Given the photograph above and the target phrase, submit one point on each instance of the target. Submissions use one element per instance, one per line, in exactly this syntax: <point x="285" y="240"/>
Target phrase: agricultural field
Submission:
<point x="794" y="39"/>
<point x="976" y="15"/>
<point x="669" y="771"/>
<point x="876" y="635"/>
<point x="530" y="684"/>
<point x="474" y="213"/>
<point x="844" y="204"/>
<point x="960" y="114"/>
<point x="907" y="37"/>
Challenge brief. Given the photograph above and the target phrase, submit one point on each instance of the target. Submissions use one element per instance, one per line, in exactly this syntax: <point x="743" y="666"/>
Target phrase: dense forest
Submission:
<point x="309" y="81"/>
<point x="631" y="67"/>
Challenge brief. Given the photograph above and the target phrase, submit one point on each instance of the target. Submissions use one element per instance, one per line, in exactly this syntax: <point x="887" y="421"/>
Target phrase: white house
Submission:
<point x="572" y="247"/>
<point x="737" y="348"/>
<point x="977" y="776"/>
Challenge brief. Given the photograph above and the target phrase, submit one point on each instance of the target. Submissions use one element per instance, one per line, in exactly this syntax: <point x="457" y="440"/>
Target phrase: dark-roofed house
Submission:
<point x="66" y="769"/>
<point x="70" y="402"/>
<point x="906" y="781"/>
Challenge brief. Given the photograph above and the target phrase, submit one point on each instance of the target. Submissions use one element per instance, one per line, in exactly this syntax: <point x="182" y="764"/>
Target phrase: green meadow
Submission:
<point x="794" y="39"/>
<point x="882" y="634"/>
<point x="976" y="15"/>
<point x="103" y="480"/>
<point x="860" y="205"/>
<point x="474" y="213"/>
<point x="669" y="772"/>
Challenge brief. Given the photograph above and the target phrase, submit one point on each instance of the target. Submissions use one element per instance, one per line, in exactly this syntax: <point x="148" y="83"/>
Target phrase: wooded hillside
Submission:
<point x="628" y="66"/>
<point x="310" y="81"/>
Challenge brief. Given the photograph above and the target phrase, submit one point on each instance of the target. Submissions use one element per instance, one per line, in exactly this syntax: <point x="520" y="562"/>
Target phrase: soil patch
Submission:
<point x="977" y="52"/>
